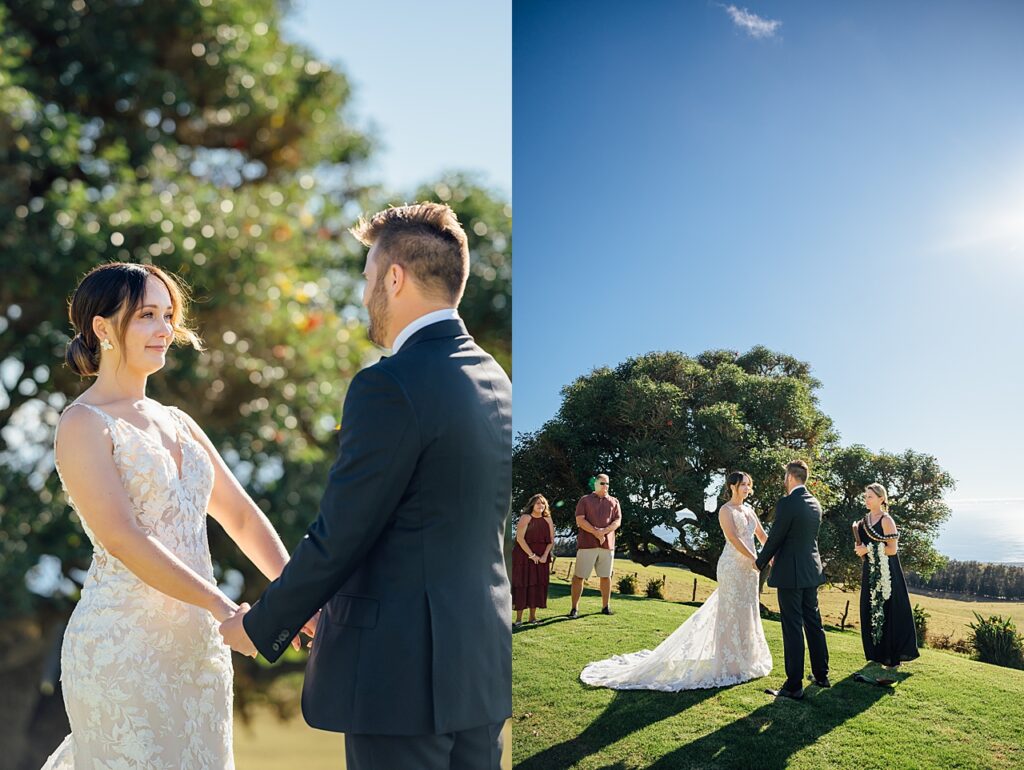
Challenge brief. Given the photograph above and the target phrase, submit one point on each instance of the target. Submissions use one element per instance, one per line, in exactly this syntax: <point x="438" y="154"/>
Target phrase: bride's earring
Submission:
<point x="105" y="345"/>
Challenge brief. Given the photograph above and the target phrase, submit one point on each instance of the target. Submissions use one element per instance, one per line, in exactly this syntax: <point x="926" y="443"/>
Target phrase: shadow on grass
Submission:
<point x="767" y="614"/>
<point x="776" y="731"/>
<point x="540" y="623"/>
<point x="587" y="606"/>
<point x="628" y="712"/>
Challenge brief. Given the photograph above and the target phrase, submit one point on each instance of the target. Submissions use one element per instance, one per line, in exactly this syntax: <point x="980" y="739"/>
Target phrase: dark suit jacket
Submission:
<point x="793" y="541"/>
<point x="405" y="556"/>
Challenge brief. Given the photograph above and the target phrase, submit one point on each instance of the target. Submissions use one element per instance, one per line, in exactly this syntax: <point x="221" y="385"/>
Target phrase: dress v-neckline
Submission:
<point x="742" y="509"/>
<point x="178" y="468"/>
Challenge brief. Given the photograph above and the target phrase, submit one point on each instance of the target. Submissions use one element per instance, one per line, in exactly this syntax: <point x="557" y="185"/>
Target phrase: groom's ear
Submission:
<point x="396" y="279"/>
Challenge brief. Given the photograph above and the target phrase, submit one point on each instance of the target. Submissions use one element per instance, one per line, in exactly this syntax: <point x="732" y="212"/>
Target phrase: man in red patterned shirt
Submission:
<point x="598" y="516"/>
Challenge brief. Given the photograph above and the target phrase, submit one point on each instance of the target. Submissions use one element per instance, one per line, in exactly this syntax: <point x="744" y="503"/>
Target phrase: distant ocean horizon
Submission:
<point x="984" y="530"/>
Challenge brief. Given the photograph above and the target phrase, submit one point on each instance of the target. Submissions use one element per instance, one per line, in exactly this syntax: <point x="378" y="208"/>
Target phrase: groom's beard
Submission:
<point x="378" y="310"/>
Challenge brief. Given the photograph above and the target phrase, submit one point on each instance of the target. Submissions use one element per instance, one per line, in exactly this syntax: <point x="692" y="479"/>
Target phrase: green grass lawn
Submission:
<point x="270" y="744"/>
<point x="945" y="712"/>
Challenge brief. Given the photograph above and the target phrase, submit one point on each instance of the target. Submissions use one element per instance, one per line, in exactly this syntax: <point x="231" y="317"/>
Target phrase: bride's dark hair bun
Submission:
<point x="80" y="358"/>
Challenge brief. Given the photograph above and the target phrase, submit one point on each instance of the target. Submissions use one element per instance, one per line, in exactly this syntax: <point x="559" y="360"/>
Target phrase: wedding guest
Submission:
<point x="598" y="515"/>
<point x="535" y="537"/>
<point x="886" y="618"/>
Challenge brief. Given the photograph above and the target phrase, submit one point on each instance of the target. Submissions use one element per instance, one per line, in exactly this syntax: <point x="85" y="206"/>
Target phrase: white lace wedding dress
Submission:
<point x="147" y="678"/>
<point x="722" y="643"/>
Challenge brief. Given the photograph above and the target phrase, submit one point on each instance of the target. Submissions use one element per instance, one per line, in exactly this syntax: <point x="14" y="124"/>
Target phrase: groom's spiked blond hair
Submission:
<point x="798" y="470"/>
<point x="424" y="238"/>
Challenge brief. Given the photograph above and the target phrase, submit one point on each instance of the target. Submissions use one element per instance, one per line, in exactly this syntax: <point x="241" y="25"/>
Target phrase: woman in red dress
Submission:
<point x="535" y="536"/>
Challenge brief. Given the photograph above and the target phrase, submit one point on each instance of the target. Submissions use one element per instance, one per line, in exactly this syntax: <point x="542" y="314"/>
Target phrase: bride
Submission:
<point x="145" y="675"/>
<point x="723" y="642"/>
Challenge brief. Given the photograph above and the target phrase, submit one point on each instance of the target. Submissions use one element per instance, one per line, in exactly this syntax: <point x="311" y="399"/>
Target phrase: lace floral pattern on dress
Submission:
<point x="147" y="680"/>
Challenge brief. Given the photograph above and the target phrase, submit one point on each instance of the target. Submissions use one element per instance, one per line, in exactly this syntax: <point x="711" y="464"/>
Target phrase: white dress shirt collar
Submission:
<point x="447" y="314"/>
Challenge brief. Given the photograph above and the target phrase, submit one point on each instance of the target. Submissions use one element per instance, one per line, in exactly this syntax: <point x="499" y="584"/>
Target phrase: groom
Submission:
<point x="796" y="574"/>
<point x="412" y="657"/>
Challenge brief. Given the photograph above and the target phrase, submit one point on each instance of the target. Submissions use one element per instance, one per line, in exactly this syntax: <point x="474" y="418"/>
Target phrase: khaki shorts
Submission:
<point x="594" y="559"/>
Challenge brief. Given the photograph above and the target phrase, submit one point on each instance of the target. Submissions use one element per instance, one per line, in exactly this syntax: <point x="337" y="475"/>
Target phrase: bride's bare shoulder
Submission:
<point x="81" y="429"/>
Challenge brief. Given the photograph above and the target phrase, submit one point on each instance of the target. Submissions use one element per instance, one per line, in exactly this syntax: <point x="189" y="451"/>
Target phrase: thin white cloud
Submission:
<point x="983" y="500"/>
<point x="751" y="23"/>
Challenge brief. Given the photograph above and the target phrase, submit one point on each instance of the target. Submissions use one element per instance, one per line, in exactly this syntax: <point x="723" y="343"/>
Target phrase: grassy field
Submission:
<point x="270" y="744"/>
<point x="945" y="712"/>
<point x="948" y="616"/>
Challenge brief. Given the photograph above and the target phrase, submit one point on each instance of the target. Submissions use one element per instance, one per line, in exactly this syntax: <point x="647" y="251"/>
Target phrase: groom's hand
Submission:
<point x="234" y="633"/>
<point x="309" y="629"/>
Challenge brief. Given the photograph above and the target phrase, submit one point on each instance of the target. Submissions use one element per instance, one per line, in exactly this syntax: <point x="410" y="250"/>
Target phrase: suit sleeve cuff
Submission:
<point x="270" y="641"/>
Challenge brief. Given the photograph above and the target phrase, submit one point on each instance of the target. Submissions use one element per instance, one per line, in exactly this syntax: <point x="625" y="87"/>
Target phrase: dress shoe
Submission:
<point x="820" y="682"/>
<point x="782" y="693"/>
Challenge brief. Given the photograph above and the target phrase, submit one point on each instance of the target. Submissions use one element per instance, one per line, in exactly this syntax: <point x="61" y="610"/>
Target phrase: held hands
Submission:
<point x="234" y="633"/>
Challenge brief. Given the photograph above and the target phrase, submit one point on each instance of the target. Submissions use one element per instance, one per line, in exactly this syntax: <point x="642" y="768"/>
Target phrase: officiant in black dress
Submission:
<point x="886" y="617"/>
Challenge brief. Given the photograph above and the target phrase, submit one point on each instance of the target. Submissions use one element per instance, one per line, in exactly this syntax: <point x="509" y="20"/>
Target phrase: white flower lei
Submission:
<point x="880" y="585"/>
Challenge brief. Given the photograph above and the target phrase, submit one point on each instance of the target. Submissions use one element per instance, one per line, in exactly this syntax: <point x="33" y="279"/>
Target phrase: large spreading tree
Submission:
<point x="189" y="134"/>
<point x="667" y="428"/>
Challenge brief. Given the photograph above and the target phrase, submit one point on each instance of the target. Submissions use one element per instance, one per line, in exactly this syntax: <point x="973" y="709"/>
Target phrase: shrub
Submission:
<point x="921" y="624"/>
<point x="947" y="642"/>
<point x="995" y="640"/>
<point x="656" y="588"/>
<point x="627" y="584"/>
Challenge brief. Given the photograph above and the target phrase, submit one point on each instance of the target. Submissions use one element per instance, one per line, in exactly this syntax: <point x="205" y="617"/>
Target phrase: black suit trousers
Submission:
<point x="475" y="749"/>
<point x="800" y="617"/>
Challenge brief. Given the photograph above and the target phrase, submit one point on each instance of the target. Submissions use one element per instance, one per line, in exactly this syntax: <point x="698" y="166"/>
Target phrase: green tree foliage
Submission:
<point x="189" y="135"/>
<point x="991" y="581"/>
<point x="487" y="304"/>
<point x="668" y="427"/>
<point x="916" y="486"/>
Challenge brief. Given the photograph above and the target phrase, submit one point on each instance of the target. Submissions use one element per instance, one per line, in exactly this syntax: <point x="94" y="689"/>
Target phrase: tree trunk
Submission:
<point x="648" y="556"/>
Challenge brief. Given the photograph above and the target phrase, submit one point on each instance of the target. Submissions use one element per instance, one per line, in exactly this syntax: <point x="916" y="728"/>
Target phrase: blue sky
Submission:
<point x="845" y="185"/>
<point x="435" y="79"/>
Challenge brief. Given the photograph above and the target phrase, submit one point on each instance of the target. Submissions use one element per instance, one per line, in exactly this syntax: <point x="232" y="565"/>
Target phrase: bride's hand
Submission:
<point x="860" y="550"/>
<point x="223" y="609"/>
